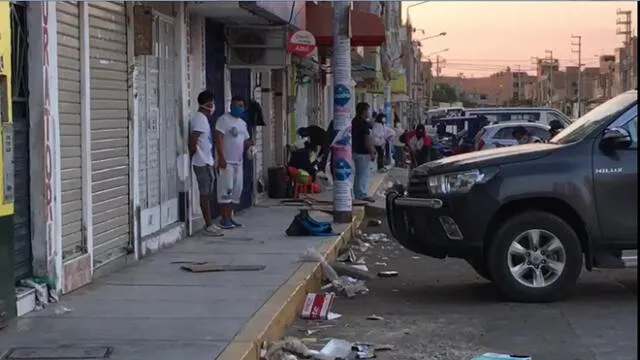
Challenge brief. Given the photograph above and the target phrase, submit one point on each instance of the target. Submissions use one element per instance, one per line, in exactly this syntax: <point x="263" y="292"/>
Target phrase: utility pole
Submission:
<point x="342" y="104"/>
<point x="538" y="88"/>
<point x="519" y="83"/>
<point x="578" y="44"/>
<point x="434" y="79"/>
<point x="627" y="32"/>
<point x="549" y="54"/>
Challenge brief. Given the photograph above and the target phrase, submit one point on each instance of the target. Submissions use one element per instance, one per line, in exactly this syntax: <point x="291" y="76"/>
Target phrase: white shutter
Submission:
<point x="70" y="128"/>
<point x="170" y="115"/>
<point x="109" y="131"/>
<point x="158" y="111"/>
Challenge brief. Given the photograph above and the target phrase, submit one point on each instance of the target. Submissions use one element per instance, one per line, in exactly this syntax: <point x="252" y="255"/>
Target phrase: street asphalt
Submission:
<point x="441" y="310"/>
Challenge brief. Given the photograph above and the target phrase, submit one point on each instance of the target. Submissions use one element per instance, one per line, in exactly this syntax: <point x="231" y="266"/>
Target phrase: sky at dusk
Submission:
<point x="484" y="37"/>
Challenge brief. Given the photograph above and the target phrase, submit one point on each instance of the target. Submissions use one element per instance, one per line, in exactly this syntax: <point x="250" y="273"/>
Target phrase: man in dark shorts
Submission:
<point x="201" y="151"/>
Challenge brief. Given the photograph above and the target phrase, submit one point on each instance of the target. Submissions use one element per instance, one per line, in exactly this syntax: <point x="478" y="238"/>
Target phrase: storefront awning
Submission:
<point x="366" y="29"/>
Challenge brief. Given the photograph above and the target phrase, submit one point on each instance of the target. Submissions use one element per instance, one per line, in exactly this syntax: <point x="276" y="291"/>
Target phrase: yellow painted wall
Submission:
<point x="5" y="73"/>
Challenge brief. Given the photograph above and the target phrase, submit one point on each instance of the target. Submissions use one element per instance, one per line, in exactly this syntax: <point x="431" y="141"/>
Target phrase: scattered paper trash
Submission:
<point x="348" y="255"/>
<point x="317" y="306"/>
<point x="386" y="274"/>
<point x="494" y="356"/>
<point x="358" y="271"/>
<point x="364" y="351"/>
<point x="375" y="237"/>
<point x="289" y="348"/>
<point x="335" y="349"/>
<point x="361" y="267"/>
<point x="375" y="317"/>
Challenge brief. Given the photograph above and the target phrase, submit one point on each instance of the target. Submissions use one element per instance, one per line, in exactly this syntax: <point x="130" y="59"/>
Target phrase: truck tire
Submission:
<point x="535" y="257"/>
<point x="480" y="266"/>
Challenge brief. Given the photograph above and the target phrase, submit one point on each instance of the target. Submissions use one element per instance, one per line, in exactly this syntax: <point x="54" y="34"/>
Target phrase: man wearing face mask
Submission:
<point x="201" y="151"/>
<point x="232" y="139"/>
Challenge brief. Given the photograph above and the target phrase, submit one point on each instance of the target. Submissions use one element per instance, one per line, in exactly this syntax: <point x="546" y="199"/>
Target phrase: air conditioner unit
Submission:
<point x="255" y="47"/>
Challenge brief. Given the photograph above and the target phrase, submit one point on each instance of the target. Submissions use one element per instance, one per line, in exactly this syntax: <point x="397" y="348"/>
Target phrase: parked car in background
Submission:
<point x="541" y="115"/>
<point x="530" y="217"/>
<point x="501" y="134"/>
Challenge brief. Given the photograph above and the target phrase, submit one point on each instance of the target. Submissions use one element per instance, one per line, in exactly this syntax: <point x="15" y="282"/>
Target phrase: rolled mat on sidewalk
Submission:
<point x="284" y="305"/>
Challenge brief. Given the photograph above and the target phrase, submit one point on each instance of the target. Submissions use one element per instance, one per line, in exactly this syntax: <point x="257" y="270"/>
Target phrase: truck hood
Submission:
<point x="485" y="158"/>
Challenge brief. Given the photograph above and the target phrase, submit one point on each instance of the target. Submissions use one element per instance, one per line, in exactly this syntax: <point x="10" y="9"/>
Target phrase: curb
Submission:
<point x="284" y="305"/>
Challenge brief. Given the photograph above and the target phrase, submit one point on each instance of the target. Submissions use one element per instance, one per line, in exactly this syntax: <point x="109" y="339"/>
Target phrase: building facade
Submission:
<point x="102" y="132"/>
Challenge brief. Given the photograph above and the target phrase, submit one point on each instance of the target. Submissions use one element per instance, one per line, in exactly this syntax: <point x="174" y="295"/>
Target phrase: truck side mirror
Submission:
<point x="615" y="139"/>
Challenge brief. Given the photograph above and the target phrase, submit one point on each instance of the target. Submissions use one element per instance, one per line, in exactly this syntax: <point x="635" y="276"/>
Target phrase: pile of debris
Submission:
<point x="335" y="349"/>
<point x="346" y="276"/>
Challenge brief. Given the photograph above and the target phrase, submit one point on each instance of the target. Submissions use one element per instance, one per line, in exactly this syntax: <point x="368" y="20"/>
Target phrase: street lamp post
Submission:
<point x="444" y="33"/>
<point x="414" y="5"/>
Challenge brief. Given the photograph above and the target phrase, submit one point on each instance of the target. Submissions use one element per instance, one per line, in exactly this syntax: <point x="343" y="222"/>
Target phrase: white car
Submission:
<point x="540" y="115"/>
<point x="501" y="134"/>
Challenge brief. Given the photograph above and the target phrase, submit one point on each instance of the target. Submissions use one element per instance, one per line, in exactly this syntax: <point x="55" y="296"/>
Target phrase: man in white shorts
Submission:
<point x="232" y="139"/>
<point x="201" y="151"/>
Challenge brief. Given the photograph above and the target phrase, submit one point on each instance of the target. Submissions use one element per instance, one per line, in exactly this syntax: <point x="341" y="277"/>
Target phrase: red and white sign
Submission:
<point x="301" y="43"/>
<point x="317" y="306"/>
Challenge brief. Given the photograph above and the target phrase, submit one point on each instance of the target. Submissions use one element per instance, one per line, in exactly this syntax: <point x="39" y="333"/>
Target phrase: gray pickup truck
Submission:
<point x="530" y="217"/>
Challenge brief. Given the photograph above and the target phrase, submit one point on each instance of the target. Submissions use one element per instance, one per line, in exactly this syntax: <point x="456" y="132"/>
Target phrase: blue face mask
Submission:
<point x="237" y="111"/>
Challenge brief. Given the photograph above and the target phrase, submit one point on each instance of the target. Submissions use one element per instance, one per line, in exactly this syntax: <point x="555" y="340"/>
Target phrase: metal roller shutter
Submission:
<point x="109" y="131"/>
<point x="20" y="93"/>
<point x="70" y="128"/>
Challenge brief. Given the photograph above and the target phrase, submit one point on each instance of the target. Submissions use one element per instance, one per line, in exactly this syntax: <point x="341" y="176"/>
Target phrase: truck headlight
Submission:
<point x="458" y="182"/>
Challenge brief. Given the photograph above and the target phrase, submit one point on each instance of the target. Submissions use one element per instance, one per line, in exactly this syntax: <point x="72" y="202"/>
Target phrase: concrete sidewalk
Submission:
<point x="155" y="310"/>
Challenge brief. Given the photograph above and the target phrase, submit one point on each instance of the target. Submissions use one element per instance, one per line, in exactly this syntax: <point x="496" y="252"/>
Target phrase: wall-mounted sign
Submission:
<point x="301" y="43"/>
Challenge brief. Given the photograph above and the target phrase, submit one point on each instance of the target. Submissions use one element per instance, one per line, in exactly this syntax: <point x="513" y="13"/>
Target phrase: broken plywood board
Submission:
<point x="207" y="267"/>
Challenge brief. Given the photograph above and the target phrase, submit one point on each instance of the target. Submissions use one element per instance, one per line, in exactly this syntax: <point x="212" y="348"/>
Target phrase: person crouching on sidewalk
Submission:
<point x="232" y="139"/>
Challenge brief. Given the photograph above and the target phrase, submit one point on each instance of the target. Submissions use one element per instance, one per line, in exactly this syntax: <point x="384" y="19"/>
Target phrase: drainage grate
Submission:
<point x="59" y="353"/>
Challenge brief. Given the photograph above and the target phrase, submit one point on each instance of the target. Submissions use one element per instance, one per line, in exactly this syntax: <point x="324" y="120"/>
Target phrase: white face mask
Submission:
<point x="211" y="109"/>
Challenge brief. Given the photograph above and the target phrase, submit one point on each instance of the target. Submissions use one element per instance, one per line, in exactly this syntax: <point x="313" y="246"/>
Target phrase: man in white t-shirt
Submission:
<point x="201" y="151"/>
<point x="232" y="139"/>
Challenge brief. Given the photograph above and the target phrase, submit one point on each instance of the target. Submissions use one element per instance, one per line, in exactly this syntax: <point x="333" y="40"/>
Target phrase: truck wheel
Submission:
<point x="481" y="268"/>
<point x="535" y="257"/>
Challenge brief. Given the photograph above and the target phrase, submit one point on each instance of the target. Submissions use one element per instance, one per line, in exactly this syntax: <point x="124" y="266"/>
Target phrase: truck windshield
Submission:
<point x="585" y="125"/>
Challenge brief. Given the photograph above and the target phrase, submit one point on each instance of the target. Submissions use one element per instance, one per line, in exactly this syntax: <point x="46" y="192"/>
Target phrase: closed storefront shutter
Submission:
<point x="70" y="128"/>
<point x="19" y="91"/>
<point x="109" y="131"/>
<point x="157" y="89"/>
<point x="170" y="90"/>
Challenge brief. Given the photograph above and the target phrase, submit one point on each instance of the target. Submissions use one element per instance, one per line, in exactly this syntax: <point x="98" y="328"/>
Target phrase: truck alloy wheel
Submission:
<point x="535" y="256"/>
